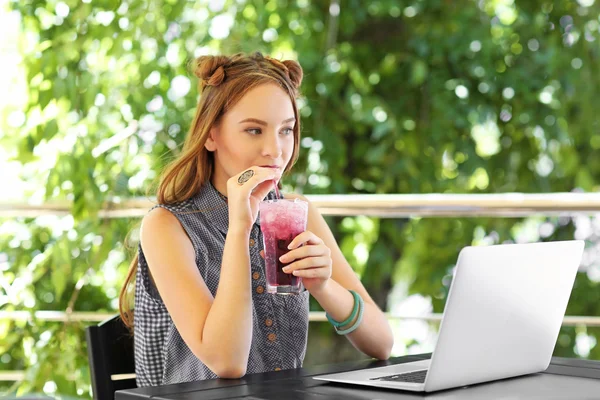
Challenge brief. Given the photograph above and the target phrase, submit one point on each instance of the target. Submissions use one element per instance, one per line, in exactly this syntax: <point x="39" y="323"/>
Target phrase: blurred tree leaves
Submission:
<point x="424" y="96"/>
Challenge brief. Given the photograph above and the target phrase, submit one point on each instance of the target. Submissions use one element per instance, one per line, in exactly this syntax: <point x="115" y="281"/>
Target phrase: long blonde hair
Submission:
<point x="223" y="82"/>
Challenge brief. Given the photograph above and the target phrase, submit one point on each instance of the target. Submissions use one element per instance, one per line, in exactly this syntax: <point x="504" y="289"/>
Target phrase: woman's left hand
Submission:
<point x="312" y="261"/>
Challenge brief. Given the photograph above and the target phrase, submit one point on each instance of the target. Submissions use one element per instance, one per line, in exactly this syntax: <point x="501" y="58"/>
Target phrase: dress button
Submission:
<point x="255" y="275"/>
<point x="260" y="290"/>
<point x="277" y="369"/>
<point x="269" y="322"/>
<point x="272" y="337"/>
<point x="252" y="242"/>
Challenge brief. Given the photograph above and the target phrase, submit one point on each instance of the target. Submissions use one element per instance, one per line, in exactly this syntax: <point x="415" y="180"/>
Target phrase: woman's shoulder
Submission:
<point x="167" y="213"/>
<point x="180" y="219"/>
<point x="158" y="218"/>
<point x="161" y="228"/>
<point x="173" y="217"/>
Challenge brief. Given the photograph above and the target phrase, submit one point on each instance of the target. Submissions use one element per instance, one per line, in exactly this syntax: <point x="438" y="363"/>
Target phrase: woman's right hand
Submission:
<point x="245" y="191"/>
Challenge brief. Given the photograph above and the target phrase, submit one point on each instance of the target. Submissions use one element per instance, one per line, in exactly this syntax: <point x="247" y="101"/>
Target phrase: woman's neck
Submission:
<point x="220" y="188"/>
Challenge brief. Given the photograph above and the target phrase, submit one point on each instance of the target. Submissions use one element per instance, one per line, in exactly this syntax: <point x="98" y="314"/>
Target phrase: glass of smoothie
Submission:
<point x="281" y="221"/>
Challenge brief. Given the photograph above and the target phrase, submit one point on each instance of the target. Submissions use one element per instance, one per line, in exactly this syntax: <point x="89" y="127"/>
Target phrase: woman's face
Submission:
<point x="257" y="131"/>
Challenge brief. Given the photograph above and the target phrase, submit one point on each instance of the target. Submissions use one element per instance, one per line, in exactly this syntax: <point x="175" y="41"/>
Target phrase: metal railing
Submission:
<point x="376" y="205"/>
<point x="314" y="316"/>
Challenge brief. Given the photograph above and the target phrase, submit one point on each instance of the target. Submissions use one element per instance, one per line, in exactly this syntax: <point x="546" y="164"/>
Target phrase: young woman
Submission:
<point x="201" y="308"/>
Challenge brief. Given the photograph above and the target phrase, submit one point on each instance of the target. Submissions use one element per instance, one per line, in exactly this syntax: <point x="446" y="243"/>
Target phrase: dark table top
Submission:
<point x="564" y="379"/>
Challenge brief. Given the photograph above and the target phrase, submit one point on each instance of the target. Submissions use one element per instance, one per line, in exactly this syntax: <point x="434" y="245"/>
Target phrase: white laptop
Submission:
<point x="502" y="318"/>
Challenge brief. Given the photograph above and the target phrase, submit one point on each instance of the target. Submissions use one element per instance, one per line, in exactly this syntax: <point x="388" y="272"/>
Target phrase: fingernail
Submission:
<point x="290" y="246"/>
<point x="282" y="258"/>
<point x="285" y="269"/>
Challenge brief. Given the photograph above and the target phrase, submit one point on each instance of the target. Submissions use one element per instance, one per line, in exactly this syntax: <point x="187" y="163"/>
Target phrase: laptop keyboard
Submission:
<point x="412" y="377"/>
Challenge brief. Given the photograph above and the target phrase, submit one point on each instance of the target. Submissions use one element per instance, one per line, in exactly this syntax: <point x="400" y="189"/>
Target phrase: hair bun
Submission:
<point x="210" y="69"/>
<point x="294" y="71"/>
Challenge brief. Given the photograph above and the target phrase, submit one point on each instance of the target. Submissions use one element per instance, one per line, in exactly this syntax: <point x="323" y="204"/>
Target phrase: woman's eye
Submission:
<point x="288" y="131"/>
<point x="253" y="131"/>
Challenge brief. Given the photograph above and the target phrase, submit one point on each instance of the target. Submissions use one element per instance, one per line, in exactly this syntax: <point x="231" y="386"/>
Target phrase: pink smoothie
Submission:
<point x="281" y="221"/>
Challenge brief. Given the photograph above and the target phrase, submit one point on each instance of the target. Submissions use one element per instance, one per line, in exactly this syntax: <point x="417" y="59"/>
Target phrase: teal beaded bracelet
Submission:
<point x="352" y="315"/>
<point x="361" y="308"/>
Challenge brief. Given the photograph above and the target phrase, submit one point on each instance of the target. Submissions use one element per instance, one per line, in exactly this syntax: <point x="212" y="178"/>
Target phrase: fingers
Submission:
<point x="314" y="254"/>
<point x="303" y="252"/>
<point x="262" y="189"/>
<point x="312" y="263"/>
<point x="322" y="273"/>
<point x="247" y="181"/>
<point x="306" y="237"/>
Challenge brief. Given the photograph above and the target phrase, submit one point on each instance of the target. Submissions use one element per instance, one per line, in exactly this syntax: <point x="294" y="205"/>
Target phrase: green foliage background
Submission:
<point x="420" y="96"/>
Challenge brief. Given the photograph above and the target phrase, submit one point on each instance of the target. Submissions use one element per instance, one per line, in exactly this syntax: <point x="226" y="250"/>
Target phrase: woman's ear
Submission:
<point x="210" y="144"/>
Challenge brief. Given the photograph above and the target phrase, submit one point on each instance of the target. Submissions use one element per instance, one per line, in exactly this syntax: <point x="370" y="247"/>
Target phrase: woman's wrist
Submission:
<point x="320" y="291"/>
<point x="239" y="230"/>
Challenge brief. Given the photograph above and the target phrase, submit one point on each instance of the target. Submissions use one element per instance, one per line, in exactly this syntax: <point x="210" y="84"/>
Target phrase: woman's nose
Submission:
<point x="272" y="146"/>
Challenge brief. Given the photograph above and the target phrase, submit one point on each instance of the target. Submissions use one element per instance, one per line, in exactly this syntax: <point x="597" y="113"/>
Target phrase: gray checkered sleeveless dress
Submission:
<point x="280" y="323"/>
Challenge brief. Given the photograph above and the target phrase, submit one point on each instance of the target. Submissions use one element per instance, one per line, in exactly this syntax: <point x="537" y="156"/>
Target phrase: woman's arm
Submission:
<point x="218" y="330"/>
<point x="374" y="335"/>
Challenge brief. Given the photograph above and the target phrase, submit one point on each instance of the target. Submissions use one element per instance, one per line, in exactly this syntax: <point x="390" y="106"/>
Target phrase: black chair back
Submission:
<point x="110" y="351"/>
